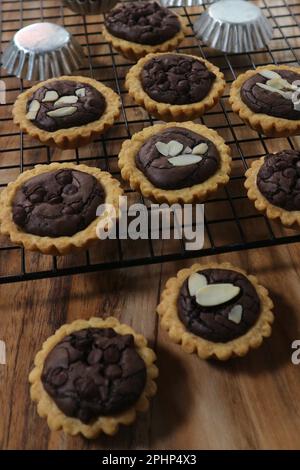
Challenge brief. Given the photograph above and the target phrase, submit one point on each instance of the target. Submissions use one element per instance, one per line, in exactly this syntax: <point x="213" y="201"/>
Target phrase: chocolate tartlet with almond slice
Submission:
<point x="137" y="28"/>
<point x="53" y="208"/>
<point x="175" y="87"/>
<point x="175" y="162"/>
<point x="66" y="112"/>
<point x="267" y="99"/>
<point x="273" y="183"/>
<point x="216" y="310"/>
<point x="91" y="376"/>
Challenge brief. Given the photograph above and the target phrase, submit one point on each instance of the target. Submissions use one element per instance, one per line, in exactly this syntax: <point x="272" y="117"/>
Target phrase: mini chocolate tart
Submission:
<point x="267" y="99"/>
<point x="137" y="28"/>
<point x="67" y="112"/>
<point x="175" y="162"/>
<point x="273" y="183"/>
<point x="216" y="310"/>
<point x="91" y="376"/>
<point x="175" y="87"/>
<point x="52" y="208"/>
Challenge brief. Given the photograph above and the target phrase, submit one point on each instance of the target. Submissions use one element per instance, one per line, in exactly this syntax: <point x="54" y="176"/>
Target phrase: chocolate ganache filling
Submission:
<point x="279" y="179"/>
<point x="183" y="160"/>
<point x="176" y="79"/>
<point x="227" y="312"/>
<point x="61" y="104"/>
<point x="58" y="203"/>
<point x="261" y="99"/>
<point x="143" y="23"/>
<point x="94" y="372"/>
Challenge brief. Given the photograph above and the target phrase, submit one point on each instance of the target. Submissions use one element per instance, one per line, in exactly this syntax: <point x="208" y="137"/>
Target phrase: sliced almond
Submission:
<point x="62" y="112"/>
<point x="63" y="100"/>
<point x="216" y="294"/>
<point x="162" y="148"/>
<point x="80" y="92"/>
<point x="174" y="148"/>
<point x="185" y="160"/>
<point x="50" y="96"/>
<point x="196" y="282"/>
<point x="235" y="315"/>
<point x="187" y="150"/>
<point x="281" y="84"/>
<point x="269" y="74"/>
<point x="33" y="110"/>
<point x="286" y="94"/>
<point x="200" y="149"/>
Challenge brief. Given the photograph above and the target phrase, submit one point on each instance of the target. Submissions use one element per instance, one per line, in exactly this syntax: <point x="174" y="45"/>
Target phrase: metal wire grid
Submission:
<point x="231" y="222"/>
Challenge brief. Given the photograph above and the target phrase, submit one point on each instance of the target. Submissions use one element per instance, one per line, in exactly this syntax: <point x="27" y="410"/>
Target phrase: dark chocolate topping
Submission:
<point x="94" y="372"/>
<point x="143" y="23"/>
<point x="212" y="323"/>
<point x="279" y="179"/>
<point x="176" y="79"/>
<point x="88" y="105"/>
<point x="263" y="101"/>
<point x="163" y="174"/>
<point x="57" y="203"/>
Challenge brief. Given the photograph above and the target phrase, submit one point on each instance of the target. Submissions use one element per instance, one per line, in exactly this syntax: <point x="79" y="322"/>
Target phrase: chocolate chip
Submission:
<point x="95" y="356"/>
<point x="111" y="355"/>
<point x="279" y="181"/>
<point x="167" y="79"/>
<point x="92" y="388"/>
<point x="19" y="215"/>
<point x="64" y="177"/>
<point x="43" y="205"/>
<point x="142" y="22"/>
<point x="113" y="372"/>
<point x="58" y="377"/>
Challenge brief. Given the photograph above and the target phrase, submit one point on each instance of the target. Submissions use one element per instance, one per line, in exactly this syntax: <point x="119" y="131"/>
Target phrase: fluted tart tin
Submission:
<point x="181" y="3"/>
<point x="90" y="7"/>
<point x="42" y="50"/>
<point x="234" y="26"/>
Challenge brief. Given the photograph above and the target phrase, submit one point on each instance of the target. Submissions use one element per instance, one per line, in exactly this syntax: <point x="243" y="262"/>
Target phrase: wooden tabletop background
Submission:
<point x="248" y="403"/>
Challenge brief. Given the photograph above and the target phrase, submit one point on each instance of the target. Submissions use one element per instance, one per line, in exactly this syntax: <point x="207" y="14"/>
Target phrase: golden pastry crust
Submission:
<point x="75" y="136"/>
<point x="167" y="310"/>
<point x="198" y="192"/>
<point x="170" y="112"/>
<point x="60" y="245"/>
<point x="287" y="218"/>
<point x="56" y="419"/>
<point x="264" y="124"/>
<point x="134" y="50"/>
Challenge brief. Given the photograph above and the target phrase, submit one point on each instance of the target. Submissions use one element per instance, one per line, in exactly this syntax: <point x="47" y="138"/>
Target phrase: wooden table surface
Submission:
<point x="248" y="403"/>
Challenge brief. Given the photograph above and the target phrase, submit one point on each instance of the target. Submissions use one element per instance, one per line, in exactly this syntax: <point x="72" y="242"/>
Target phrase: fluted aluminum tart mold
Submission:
<point x="234" y="26"/>
<point x="90" y="7"/>
<point x="181" y="3"/>
<point x="41" y="51"/>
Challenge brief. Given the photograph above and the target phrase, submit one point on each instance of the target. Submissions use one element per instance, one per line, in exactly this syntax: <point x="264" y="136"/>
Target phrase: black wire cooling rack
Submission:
<point x="231" y="221"/>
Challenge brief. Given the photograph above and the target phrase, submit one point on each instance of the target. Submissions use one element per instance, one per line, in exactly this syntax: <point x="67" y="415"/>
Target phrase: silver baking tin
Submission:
<point x="90" y="7"/>
<point x="180" y="3"/>
<point x="234" y="26"/>
<point x="42" y="50"/>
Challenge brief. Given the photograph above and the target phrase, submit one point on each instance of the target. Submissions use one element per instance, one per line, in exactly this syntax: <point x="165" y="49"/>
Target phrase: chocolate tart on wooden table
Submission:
<point x="67" y="112"/>
<point x="267" y="99"/>
<point x="137" y="28"/>
<point x="175" y="87"/>
<point x="93" y="375"/>
<point x="52" y="208"/>
<point x="176" y="162"/>
<point x="273" y="183"/>
<point x="216" y="310"/>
